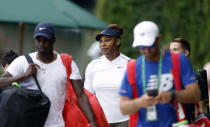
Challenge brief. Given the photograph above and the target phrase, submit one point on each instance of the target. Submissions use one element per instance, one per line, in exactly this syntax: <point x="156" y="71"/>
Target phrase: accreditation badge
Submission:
<point x="151" y="114"/>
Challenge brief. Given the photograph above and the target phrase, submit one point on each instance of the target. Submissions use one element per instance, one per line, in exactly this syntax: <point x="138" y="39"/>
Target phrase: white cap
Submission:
<point x="145" y="33"/>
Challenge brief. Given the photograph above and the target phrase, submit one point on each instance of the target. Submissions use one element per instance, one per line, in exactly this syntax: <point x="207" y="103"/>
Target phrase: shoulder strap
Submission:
<point x="131" y="68"/>
<point x="176" y="70"/>
<point x="180" y="108"/>
<point x="30" y="61"/>
<point x="131" y="73"/>
<point x="66" y="59"/>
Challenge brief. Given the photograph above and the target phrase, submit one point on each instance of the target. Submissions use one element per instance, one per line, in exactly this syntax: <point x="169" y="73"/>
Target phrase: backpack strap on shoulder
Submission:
<point x="180" y="108"/>
<point x="131" y="68"/>
<point x="131" y="73"/>
<point x="66" y="59"/>
<point x="176" y="70"/>
<point x="30" y="61"/>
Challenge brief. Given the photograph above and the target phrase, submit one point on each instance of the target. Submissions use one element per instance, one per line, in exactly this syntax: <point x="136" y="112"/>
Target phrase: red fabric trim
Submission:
<point x="131" y="68"/>
<point x="177" y="81"/>
<point x="66" y="59"/>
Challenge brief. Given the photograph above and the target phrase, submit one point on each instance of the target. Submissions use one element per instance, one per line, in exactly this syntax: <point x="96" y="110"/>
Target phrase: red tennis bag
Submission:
<point x="72" y="114"/>
<point x="131" y="68"/>
<point x="201" y="121"/>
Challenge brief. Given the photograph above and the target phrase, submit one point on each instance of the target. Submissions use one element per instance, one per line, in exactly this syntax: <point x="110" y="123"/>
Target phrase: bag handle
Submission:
<point x="30" y="61"/>
<point x="66" y="59"/>
<point x="180" y="108"/>
<point x="131" y="74"/>
<point x="131" y="71"/>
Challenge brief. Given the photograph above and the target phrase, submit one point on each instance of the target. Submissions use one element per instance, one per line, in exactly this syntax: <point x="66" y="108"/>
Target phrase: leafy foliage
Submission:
<point x="188" y="19"/>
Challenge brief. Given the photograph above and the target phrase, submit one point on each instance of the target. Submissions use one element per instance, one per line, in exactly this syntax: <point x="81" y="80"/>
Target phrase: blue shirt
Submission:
<point x="166" y="112"/>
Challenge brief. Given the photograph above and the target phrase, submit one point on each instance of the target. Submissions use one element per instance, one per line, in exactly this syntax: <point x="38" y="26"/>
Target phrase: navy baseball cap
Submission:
<point x="44" y="29"/>
<point x="109" y="32"/>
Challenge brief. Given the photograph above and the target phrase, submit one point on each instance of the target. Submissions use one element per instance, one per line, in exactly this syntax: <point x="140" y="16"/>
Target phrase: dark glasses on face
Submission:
<point x="149" y="47"/>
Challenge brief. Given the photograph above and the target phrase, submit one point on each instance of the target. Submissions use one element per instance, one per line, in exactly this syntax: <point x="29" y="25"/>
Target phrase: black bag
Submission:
<point x="201" y="76"/>
<point x="21" y="107"/>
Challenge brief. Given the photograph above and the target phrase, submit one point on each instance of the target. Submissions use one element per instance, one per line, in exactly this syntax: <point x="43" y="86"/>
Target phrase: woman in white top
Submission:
<point x="103" y="76"/>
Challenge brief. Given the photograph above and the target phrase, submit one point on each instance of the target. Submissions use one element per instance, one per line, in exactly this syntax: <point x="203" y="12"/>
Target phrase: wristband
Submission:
<point x="15" y="84"/>
<point x="184" y="122"/>
<point x="173" y="96"/>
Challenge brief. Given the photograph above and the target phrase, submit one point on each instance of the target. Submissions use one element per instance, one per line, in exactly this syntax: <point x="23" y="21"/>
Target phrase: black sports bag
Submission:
<point x="21" y="107"/>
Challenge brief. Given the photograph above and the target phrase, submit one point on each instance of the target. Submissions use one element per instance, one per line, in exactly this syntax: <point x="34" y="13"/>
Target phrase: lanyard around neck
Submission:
<point x="143" y="72"/>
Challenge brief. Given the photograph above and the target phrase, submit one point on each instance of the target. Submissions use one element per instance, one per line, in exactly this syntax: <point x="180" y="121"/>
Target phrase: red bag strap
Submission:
<point x="131" y="68"/>
<point x="180" y="108"/>
<point x="131" y="73"/>
<point x="66" y="59"/>
<point x="176" y="70"/>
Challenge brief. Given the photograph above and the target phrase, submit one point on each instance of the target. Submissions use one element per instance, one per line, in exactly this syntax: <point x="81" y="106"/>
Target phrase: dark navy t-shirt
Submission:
<point x="166" y="112"/>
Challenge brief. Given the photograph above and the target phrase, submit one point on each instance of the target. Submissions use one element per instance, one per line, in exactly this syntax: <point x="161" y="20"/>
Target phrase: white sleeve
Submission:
<point x="75" y="74"/>
<point x="88" y="84"/>
<point x="18" y="66"/>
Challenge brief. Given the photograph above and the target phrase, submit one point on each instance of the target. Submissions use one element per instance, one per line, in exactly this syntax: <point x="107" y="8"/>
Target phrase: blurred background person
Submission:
<point x="207" y="68"/>
<point x="180" y="45"/>
<point x="94" y="51"/>
<point x="7" y="58"/>
<point x="103" y="75"/>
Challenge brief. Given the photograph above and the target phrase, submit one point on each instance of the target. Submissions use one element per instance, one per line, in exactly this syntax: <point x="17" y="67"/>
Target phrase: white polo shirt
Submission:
<point x="52" y="78"/>
<point x="103" y="78"/>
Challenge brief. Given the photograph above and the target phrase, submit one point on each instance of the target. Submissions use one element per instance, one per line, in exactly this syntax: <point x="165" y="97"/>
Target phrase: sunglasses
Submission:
<point x="149" y="47"/>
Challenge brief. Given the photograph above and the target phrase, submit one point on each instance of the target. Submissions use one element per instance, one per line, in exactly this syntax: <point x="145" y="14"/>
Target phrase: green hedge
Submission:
<point x="189" y="19"/>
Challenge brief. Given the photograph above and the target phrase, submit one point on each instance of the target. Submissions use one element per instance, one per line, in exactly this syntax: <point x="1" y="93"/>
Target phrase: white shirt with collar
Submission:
<point x="52" y="79"/>
<point x="103" y="78"/>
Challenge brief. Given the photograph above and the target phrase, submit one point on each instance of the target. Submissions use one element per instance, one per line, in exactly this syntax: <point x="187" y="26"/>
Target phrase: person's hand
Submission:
<point x="163" y="97"/>
<point x="32" y="69"/>
<point x="146" y="101"/>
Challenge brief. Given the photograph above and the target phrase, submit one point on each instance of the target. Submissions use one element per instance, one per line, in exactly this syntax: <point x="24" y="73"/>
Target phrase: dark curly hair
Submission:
<point x="8" y="57"/>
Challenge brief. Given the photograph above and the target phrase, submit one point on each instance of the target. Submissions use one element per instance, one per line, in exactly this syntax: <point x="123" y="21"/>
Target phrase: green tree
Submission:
<point x="188" y="19"/>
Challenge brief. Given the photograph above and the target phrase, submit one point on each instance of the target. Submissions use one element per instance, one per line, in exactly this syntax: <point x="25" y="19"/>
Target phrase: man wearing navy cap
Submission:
<point x="51" y="74"/>
<point x="155" y="82"/>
